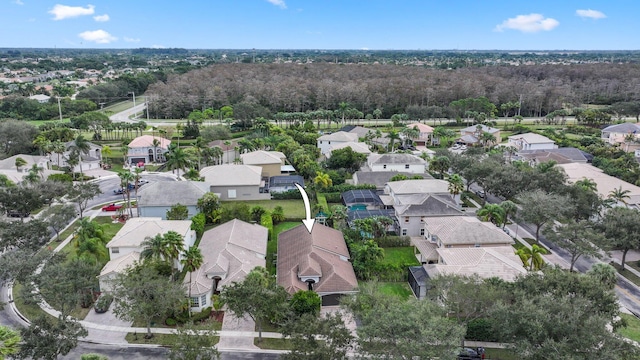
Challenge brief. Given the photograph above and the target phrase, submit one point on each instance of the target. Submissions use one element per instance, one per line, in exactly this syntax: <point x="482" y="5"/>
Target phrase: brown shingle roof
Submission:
<point x="322" y="252"/>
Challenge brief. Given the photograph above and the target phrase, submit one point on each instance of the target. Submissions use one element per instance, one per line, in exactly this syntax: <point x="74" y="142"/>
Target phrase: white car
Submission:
<point x="463" y="147"/>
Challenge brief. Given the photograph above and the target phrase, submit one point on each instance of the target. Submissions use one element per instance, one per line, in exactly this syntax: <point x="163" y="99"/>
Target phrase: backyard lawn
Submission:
<point x="293" y="209"/>
<point x="400" y="289"/>
<point x="401" y="256"/>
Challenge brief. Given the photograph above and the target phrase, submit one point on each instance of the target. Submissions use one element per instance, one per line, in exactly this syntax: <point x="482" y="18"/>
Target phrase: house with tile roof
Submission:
<point x="125" y="247"/>
<point x="424" y="133"/>
<point x="154" y="200"/>
<point x="616" y="134"/>
<point x="317" y="261"/>
<point x="325" y="142"/>
<point x="407" y="163"/>
<point x="531" y="141"/>
<point x="88" y="161"/>
<point x="142" y="149"/>
<point x="10" y="162"/>
<point x="358" y="147"/>
<point x="605" y="184"/>
<point x="471" y="135"/>
<point x="236" y="182"/>
<point x="229" y="251"/>
<point x="271" y="162"/>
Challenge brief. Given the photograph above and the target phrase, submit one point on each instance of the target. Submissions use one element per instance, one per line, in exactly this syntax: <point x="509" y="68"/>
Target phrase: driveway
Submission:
<point x="105" y="336"/>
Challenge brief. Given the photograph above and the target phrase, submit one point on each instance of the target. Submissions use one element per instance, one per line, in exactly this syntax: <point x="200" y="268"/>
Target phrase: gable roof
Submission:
<point x="422" y="128"/>
<point x="120" y="264"/>
<point x="135" y="230"/>
<point x="229" y="251"/>
<point x="433" y="186"/>
<point x="146" y="141"/>
<point x="261" y="157"/>
<point x="467" y="230"/>
<point x="323" y="253"/>
<point x="232" y="174"/>
<point x="605" y="183"/>
<point x="169" y="193"/>
<point x="484" y="128"/>
<point x="10" y="162"/>
<point x="339" y="136"/>
<point x="624" y="128"/>
<point x="532" y="138"/>
<point x="380" y="178"/>
<point x="358" y="147"/>
<point x="40" y="97"/>
<point x="486" y="262"/>
<point x="427" y="205"/>
<point x="397" y="158"/>
<point x="359" y="130"/>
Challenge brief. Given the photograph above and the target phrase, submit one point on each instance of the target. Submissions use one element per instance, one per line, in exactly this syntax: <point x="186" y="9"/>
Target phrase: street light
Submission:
<point x="134" y="98"/>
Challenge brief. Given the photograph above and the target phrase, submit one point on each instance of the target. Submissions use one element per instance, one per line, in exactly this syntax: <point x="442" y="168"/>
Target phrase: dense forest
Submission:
<point x="392" y="89"/>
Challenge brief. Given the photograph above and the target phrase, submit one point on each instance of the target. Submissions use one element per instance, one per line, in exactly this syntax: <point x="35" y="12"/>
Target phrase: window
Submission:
<point x="477" y="245"/>
<point x="422" y="219"/>
<point x="448" y="246"/>
<point x="406" y="166"/>
<point x="115" y="250"/>
<point x="203" y="300"/>
<point x="320" y="142"/>
<point x="421" y="232"/>
<point x="231" y="194"/>
<point x="384" y="166"/>
<point x="406" y="219"/>
<point x="195" y="302"/>
<point x="404" y="232"/>
<point x="329" y="142"/>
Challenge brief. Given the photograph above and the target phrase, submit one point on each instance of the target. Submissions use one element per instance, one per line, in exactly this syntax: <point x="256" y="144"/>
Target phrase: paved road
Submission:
<point x="123" y="116"/>
<point x="109" y="183"/>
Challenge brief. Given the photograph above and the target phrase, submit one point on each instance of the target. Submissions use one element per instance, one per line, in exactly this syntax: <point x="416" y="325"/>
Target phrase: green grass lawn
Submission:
<point x="272" y="245"/>
<point x="159" y="339"/>
<point x="402" y="256"/>
<point x="626" y="273"/>
<point x="400" y="289"/>
<point x="293" y="209"/>
<point x="108" y="226"/>
<point x="632" y="330"/>
<point x="28" y="310"/>
<point x="273" y="344"/>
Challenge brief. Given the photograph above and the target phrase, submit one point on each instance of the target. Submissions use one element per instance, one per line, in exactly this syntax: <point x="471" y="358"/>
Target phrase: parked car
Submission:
<point x="103" y="303"/>
<point x="112" y="207"/>
<point x="119" y="191"/>
<point x="481" y="193"/>
<point x="469" y="354"/>
<point x="17" y="213"/>
<point x="142" y="182"/>
<point x="463" y="147"/>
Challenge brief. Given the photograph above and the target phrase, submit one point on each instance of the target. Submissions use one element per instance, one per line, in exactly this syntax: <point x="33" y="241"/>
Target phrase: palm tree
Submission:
<point x="410" y="134"/>
<point x="58" y="147"/>
<point x="200" y="145"/>
<point x="126" y="177"/>
<point x="492" y="212"/>
<point x="532" y="257"/>
<point x="456" y="184"/>
<point x="487" y="139"/>
<point x="217" y="153"/>
<point x="20" y="162"/>
<point x="322" y="180"/>
<point x="177" y="159"/>
<point x="192" y="260"/>
<point x="587" y="184"/>
<point x="153" y="248"/>
<point x="81" y="146"/>
<point x="72" y="161"/>
<point x="510" y="208"/>
<point x="106" y="152"/>
<point x="155" y="144"/>
<point x="392" y="136"/>
<point x="174" y="245"/>
<point x="9" y="342"/>
<point x="37" y="170"/>
<point x="619" y="195"/>
<point x="338" y="215"/>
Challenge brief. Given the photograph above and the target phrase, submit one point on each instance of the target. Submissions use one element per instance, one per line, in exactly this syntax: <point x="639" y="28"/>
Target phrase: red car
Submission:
<point x="112" y="207"/>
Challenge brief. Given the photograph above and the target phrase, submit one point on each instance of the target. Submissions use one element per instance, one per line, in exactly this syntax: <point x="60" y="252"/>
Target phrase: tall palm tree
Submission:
<point x="532" y="257"/>
<point x="126" y="177"/>
<point x="392" y="135"/>
<point x="191" y="260"/>
<point x="322" y="180"/>
<point x="456" y="184"/>
<point x="200" y="145"/>
<point x="153" y="248"/>
<point x="177" y="159"/>
<point x="174" y="244"/>
<point x="410" y="134"/>
<point x="58" y="147"/>
<point x="9" y="342"/>
<point x="619" y="195"/>
<point x="20" y="162"/>
<point x="492" y="212"/>
<point x="106" y="152"/>
<point x="217" y="153"/>
<point x="37" y="170"/>
<point x="80" y="146"/>
<point x="487" y="139"/>
<point x="155" y="144"/>
<point x="510" y="208"/>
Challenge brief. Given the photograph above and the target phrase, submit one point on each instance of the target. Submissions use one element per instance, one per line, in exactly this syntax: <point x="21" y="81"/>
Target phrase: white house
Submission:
<point x="125" y="247"/>
<point x="396" y="162"/>
<point x="531" y="141"/>
<point x="229" y="251"/>
<point x="88" y="161"/>
<point x="236" y="182"/>
<point x="142" y="149"/>
<point x="326" y="141"/>
<point x="154" y="200"/>
<point x="41" y="98"/>
<point x="617" y="133"/>
<point x="358" y="147"/>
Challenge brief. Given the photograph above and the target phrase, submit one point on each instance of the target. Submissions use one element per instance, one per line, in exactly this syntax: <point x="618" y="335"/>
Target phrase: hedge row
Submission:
<point x="287" y="195"/>
<point x="267" y="221"/>
<point x="346" y="187"/>
<point x="393" y="241"/>
<point x="333" y="197"/>
<point x="322" y="201"/>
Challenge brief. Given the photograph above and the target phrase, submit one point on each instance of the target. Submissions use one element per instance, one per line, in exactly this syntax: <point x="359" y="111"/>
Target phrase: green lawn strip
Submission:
<point x="626" y="273"/>
<point x="108" y="226"/>
<point x="70" y="230"/>
<point x="402" y="256"/>
<point x="272" y="244"/>
<point x="159" y="323"/>
<point x="518" y="245"/>
<point x="273" y="344"/>
<point x="633" y="264"/>
<point x="28" y="310"/>
<point x="400" y="289"/>
<point x="157" y="339"/>
<point x="632" y="330"/>
<point x="293" y="209"/>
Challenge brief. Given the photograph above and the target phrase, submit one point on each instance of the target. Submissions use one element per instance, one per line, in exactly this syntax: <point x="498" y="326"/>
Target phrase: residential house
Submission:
<point x="229" y="251"/>
<point x="559" y="155"/>
<point x="316" y="260"/>
<point x="10" y="162"/>
<point x="396" y="162"/>
<point x="531" y="141"/>
<point x="229" y="149"/>
<point x="463" y="246"/>
<point x="472" y="135"/>
<point x="358" y="147"/>
<point x="326" y="141"/>
<point x="364" y="133"/>
<point x="361" y="199"/>
<point x="605" y="184"/>
<point x="154" y="200"/>
<point x="88" y="161"/>
<point x="279" y="184"/>
<point x="236" y="182"/>
<point x="424" y="134"/>
<point x="126" y="246"/>
<point x="142" y="149"/>
<point x="618" y="134"/>
<point x="381" y="178"/>
<point x="271" y="162"/>
<point x="41" y="98"/>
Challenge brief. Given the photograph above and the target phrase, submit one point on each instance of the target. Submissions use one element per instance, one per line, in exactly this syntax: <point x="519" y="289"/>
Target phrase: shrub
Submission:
<point x="277" y="215"/>
<point x="322" y="202"/>
<point x="267" y="221"/>
<point x="170" y="322"/>
<point x="287" y="195"/>
<point x="333" y="197"/>
<point x="60" y="178"/>
<point x="393" y="241"/>
<point x="93" y="357"/>
<point x="197" y="223"/>
<point x="202" y="315"/>
<point x="305" y="302"/>
<point x="346" y="187"/>
<point x="481" y="330"/>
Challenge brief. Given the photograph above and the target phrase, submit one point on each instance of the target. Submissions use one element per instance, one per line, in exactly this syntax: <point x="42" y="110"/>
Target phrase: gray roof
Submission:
<point x="380" y="178"/>
<point x="232" y="174"/>
<point x="399" y="158"/>
<point x="418" y="186"/>
<point x="571" y="153"/>
<point x="431" y="205"/>
<point x="623" y="128"/>
<point x="474" y="128"/>
<point x="168" y="193"/>
<point x="467" y="230"/>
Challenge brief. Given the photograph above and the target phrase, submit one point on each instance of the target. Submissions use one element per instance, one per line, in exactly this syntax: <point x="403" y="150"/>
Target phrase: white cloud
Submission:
<point x="60" y="12"/>
<point x="128" y="39"/>
<point x="98" y="36"/>
<point x="101" y="18"/>
<point x="528" y="23"/>
<point x="279" y="3"/>
<point x="18" y="2"/>
<point x="593" y="14"/>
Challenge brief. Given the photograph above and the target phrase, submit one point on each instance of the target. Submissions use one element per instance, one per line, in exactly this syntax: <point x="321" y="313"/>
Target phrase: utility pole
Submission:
<point x="59" y="109"/>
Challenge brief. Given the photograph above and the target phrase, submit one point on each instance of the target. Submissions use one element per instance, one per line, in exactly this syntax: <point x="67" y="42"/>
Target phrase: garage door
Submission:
<point x="331" y="300"/>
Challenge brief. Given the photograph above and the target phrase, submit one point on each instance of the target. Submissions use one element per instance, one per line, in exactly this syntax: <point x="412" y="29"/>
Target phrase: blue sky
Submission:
<point x="323" y="24"/>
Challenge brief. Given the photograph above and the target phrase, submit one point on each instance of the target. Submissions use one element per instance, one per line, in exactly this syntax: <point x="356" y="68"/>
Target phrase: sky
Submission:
<point x="323" y="24"/>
